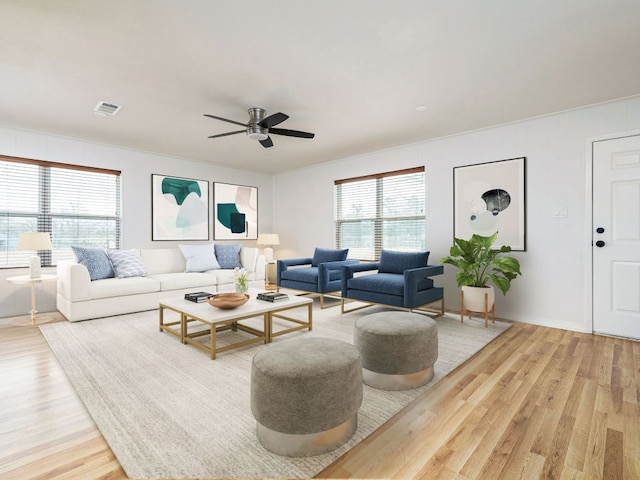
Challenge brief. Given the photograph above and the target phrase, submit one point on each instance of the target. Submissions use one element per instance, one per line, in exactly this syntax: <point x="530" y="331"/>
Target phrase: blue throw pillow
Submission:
<point x="322" y="255"/>
<point x="228" y="256"/>
<point x="127" y="263"/>
<point x="199" y="258"/>
<point x="398" y="262"/>
<point x="96" y="261"/>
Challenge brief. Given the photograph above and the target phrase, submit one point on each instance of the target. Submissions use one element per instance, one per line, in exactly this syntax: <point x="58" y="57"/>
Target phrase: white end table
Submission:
<point x="26" y="279"/>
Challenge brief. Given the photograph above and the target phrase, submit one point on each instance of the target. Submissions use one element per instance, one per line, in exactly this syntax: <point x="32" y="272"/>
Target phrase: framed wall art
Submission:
<point x="235" y="210"/>
<point x="490" y="197"/>
<point x="179" y="208"/>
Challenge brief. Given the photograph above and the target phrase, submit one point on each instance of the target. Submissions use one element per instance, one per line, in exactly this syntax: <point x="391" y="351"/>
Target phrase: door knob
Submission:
<point x="600" y="244"/>
<point x="600" y="230"/>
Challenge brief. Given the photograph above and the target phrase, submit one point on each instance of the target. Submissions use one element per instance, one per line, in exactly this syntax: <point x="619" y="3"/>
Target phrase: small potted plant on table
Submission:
<point x="479" y="265"/>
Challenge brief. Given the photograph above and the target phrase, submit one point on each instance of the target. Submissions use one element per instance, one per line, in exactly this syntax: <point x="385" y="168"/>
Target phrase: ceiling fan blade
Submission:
<point x="228" y="133"/>
<point x="225" y="120"/>
<point x="266" y="143"/>
<point x="291" y="133"/>
<point x="273" y="120"/>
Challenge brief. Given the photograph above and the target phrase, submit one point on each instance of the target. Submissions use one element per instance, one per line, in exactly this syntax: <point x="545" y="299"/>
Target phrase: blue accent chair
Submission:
<point x="320" y="274"/>
<point x="402" y="281"/>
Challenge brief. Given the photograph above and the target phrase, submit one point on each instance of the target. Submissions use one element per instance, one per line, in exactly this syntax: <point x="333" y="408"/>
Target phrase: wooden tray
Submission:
<point x="228" y="300"/>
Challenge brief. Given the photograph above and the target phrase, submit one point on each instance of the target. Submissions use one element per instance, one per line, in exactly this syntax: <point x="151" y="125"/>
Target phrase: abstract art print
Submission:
<point x="179" y="208"/>
<point x="235" y="210"/>
<point x="490" y="197"/>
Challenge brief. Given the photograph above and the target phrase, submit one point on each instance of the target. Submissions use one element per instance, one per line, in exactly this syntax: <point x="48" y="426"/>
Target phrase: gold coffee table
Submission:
<point x="218" y="320"/>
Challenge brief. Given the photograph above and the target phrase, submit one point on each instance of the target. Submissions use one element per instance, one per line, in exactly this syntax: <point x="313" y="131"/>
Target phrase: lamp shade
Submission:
<point x="268" y="239"/>
<point x="34" y="241"/>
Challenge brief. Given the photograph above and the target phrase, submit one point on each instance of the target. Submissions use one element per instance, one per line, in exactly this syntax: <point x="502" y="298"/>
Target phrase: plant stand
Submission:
<point x="485" y="314"/>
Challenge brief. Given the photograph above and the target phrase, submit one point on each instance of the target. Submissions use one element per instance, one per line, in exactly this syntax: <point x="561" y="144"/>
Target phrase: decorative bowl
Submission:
<point x="228" y="300"/>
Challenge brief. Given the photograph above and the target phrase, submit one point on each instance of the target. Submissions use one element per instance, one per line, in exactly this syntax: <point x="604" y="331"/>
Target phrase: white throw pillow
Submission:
<point x="199" y="258"/>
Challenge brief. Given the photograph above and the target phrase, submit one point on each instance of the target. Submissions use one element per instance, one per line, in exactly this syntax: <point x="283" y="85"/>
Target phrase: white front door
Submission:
<point x="616" y="236"/>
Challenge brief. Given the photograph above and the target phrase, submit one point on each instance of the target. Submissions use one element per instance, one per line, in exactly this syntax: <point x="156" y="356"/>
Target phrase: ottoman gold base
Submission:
<point x="383" y="381"/>
<point x="306" y="445"/>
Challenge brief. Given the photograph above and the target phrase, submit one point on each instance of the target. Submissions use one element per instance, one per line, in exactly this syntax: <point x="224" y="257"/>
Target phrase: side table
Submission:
<point x="267" y="284"/>
<point x="26" y="279"/>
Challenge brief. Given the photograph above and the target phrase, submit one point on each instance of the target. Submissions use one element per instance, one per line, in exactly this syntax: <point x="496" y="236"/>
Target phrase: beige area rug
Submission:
<point x="168" y="411"/>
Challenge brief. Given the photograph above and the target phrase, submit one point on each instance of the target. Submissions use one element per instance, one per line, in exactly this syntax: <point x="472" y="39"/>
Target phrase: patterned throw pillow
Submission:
<point x="96" y="261"/>
<point x="199" y="258"/>
<point x="127" y="263"/>
<point x="228" y="256"/>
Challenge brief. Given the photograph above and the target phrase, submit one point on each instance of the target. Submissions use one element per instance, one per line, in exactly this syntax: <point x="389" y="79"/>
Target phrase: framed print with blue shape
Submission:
<point x="235" y="210"/>
<point x="179" y="208"/>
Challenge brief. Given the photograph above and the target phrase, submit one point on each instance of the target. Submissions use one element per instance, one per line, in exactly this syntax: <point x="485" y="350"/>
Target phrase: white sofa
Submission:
<point x="79" y="298"/>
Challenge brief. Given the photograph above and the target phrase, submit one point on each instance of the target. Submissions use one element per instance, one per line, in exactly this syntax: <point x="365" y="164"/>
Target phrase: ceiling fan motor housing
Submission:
<point x="254" y="130"/>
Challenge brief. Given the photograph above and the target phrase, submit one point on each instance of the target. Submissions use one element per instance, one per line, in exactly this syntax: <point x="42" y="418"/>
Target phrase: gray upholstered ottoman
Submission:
<point x="398" y="349"/>
<point x="305" y="395"/>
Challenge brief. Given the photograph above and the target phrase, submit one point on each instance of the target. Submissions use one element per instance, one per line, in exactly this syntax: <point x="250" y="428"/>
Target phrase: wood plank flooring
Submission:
<point x="535" y="403"/>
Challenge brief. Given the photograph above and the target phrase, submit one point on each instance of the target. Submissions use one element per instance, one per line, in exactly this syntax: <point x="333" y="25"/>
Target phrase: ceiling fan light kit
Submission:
<point x="259" y="127"/>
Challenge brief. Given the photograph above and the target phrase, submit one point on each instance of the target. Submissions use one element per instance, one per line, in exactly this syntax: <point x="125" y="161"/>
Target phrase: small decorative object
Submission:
<point x="480" y="264"/>
<point x="226" y="301"/>
<point x="242" y="282"/>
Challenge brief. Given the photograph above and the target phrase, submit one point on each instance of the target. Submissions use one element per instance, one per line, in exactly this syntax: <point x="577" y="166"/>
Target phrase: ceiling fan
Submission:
<point x="259" y="127"/>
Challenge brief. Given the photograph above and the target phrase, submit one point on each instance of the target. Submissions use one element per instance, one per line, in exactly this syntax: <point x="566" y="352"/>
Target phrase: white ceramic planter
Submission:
<point x="474" y="298"/>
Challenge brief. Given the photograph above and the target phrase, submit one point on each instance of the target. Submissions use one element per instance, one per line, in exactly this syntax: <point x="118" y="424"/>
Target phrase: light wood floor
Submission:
<point x="535" y="403"/>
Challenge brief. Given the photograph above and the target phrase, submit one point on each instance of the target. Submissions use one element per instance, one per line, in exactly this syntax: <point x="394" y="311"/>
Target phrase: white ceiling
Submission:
<point x="351" y="71"/>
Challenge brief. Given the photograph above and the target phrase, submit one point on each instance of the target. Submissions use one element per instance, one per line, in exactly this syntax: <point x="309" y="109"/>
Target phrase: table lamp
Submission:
<point x="268" y="240"/>
<point x="34" y="241"/>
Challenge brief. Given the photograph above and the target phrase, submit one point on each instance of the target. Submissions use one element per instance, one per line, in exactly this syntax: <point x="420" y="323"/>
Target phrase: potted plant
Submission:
<point x="480" y="264"/>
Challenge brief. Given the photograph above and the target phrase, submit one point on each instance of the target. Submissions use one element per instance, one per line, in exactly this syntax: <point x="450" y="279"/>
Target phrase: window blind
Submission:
<point x="77" y="205"/>
<point x="385" y="210"/>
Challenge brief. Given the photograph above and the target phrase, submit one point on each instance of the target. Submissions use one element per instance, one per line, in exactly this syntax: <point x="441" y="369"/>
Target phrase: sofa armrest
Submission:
<point x="282" y="265"/>
<point x="73" y="280"/>
<point x="413" y="276"/>
<point x="349" y="270"/>
<point x="261" y="266"/>
<point x="325" y="268"/>
<point x="249" y="258"/>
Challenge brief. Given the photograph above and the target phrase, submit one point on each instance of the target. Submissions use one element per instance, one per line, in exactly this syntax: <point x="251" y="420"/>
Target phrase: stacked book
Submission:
<point x="197" y="297"/>
<point x="273" y="296"/>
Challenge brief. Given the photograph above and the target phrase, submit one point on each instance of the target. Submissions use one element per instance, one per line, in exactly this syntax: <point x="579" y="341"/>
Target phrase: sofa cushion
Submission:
<point x="122" y="287"/>
<point x="228" y="256"/>
<point x="177" y="281"/>
<point x="397" y="262"/>
<point x="390" y="283"/>
<point x="199" y="258"/>
<point x="96" y="260"/>
<point x="162" y="260"/>
<point x="302" y="274"/>
<point x="127" y="263"/>
<point x="322" y="255"/>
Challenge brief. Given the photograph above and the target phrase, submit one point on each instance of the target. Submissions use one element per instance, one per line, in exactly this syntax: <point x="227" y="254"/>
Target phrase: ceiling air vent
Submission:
<point x="104" y="109"/>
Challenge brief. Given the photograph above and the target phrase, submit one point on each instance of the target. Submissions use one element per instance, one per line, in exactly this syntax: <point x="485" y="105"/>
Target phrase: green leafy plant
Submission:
<point x="480" y="264"/>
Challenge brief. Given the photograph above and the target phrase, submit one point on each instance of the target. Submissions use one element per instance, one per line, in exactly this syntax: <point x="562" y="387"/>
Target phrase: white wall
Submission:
<point x="552" y="290"/>
<point x="136" y="167"/>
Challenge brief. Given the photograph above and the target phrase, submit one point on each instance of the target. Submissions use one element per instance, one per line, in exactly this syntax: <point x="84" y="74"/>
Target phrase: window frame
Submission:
<point x="378" y="219"/>
<point x="44" y="216"/>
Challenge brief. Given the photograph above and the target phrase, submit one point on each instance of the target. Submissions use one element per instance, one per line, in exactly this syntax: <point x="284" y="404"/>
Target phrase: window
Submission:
<point x="76" y="205"/>
<point x="381" y="211"/>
